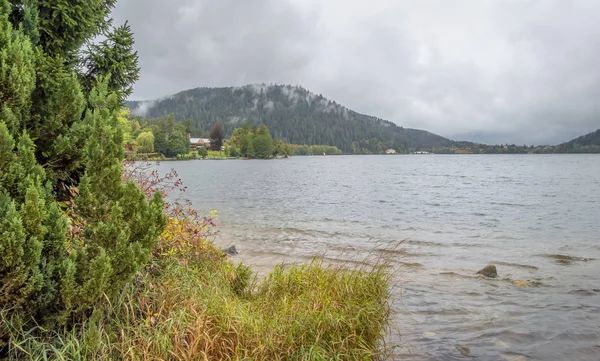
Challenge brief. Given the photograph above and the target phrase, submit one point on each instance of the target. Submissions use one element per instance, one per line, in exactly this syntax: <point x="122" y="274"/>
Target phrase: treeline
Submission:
<point x="292" y="114"/>
<point x="296" y="149"/>
<point x="257" y="142"/>
<point x="164" y="135"/>
<point x="167" y="137"/>
<point x="589" y="143"/>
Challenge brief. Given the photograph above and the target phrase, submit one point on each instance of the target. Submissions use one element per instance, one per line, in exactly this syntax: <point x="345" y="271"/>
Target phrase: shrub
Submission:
<point x="202" y="152"/>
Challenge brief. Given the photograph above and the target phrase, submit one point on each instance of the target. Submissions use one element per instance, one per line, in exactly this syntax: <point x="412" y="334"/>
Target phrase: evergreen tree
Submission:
<point x="71" y="233"/>
<point x="115" y="57"/>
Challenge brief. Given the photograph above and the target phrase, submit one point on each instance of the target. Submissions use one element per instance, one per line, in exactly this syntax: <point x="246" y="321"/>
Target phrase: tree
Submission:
<point x="262" y="143"/>
<point x="216" y="136"/>
<point x="178" y="144"/>
<point x="61" y="150"/>
<point x="236" y="137"/>
<point x="161" y="144"/>
<point x="170" y="137"/>
<point x="203" y="152"/>
<point x="145" y="142"/>
<point x="113" y="57"/>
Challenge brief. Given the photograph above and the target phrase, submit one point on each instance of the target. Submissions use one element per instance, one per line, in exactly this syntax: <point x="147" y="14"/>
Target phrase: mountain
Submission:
<point x="589" y="143"/>
<point x="291" y="113"/>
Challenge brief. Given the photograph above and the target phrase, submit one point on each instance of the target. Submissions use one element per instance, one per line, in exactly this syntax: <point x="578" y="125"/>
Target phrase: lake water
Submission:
<point x="438" y="219"/>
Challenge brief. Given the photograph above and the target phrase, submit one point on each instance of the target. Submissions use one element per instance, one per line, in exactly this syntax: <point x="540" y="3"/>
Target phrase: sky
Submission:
<point x="494" y="71"/>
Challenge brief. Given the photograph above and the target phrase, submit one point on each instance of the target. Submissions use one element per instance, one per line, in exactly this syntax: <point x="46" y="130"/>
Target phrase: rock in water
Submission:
<point x="464" y="350"/>
<point x="520" y="284"/>
<point x="231" y="251"/>
<point x="489" y="271"/>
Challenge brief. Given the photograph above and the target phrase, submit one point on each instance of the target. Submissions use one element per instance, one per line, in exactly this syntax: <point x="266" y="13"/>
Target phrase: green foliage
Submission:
<point x="214" y="310"/>
<point x="202" y="152"/>
<point x="258" y="143"/>
<point x="65" y="25"/>
<point x="295" y="149"/>
<point x="113" y="57"/>
<point x="72" y="234"/>
<point x="145" y="142"/>
<point x="589" y="143"/>
<point x="17" y="73"/>
<point x="170" y="137"/>
<point x="262" y="143"/>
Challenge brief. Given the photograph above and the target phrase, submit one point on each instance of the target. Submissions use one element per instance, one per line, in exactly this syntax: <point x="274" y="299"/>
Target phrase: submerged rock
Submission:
<point x="489" y="271"/>
<point x="430" y="335"/>
<point x="464" y="350"/>
<point x="566" y="260"/>
<point x="514" y="357"/>
<point x="231" y="251"/>
<point x="520" y="284"/>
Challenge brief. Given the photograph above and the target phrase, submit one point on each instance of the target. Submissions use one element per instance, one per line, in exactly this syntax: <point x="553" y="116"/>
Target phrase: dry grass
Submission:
<point x="212" y="310"/>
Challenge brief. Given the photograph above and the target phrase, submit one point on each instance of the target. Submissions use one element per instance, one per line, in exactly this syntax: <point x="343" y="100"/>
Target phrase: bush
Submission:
<point x="202" y="152"/>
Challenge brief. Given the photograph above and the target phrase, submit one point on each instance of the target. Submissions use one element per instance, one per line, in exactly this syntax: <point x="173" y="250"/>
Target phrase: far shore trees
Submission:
<point x="145" y="142"/>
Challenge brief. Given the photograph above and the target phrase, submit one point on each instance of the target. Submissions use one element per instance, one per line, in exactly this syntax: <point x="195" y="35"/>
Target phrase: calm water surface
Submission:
<point x="439" y="219"/>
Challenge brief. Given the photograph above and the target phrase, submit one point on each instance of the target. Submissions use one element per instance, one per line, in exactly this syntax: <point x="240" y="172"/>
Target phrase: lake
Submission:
<point x="438" y="220"/>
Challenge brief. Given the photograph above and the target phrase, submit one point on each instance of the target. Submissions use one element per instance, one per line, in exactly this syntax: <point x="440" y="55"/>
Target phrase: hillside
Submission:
<point x="291" y="113"/>
<point x="589" y="143"/>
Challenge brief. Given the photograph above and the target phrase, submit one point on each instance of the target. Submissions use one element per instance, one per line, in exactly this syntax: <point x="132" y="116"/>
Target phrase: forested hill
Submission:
<point x="292" y="114"/>
<point x="589" y="143"/>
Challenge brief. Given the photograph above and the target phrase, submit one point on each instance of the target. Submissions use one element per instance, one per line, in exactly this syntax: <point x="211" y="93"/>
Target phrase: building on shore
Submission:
<point x="196" y="143"/>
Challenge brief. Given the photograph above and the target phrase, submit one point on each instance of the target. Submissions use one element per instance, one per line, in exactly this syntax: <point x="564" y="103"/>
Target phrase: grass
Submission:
<point x="215" y="154"/>
<point x="211" y="309"/>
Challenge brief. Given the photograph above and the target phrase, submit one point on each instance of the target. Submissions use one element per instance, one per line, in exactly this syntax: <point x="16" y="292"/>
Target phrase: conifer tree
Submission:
<point x="71" y="232"/>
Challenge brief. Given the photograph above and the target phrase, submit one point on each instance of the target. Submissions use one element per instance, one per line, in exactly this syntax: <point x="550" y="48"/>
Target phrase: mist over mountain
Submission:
<point x="291" y="113"/>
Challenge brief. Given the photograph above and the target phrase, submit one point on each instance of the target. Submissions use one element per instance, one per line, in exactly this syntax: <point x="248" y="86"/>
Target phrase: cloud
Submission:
<point x="504" y="71"/>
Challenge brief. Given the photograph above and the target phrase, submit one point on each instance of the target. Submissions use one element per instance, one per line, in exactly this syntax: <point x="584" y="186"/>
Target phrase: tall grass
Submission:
<point x="210" y="309"/>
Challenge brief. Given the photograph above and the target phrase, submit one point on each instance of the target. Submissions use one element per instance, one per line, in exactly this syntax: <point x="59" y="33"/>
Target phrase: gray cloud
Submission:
<point x="516" y="71"/>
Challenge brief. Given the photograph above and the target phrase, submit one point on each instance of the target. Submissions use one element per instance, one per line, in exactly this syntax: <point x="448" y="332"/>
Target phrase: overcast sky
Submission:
<point x="516" y="71"/>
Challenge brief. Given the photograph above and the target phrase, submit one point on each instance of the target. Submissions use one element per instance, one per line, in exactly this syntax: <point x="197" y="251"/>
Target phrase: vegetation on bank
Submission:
<point x="589" y="143"/>
<point x="165" y="138"/>
<point x="94" y="263"/>
<point x="257" y="142"/>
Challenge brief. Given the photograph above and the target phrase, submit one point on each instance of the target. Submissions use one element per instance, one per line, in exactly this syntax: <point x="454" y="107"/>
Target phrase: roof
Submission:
<point x="199" y="140"/>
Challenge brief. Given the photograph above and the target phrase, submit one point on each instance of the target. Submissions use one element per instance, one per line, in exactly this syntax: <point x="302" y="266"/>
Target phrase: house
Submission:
<point x="196" y="143"/>
<point x="421" y="152"/>
<point x="390" y="151"/>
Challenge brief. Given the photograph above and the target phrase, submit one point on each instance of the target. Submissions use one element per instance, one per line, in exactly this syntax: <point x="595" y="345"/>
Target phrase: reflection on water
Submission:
<point x="438" y="220"/>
